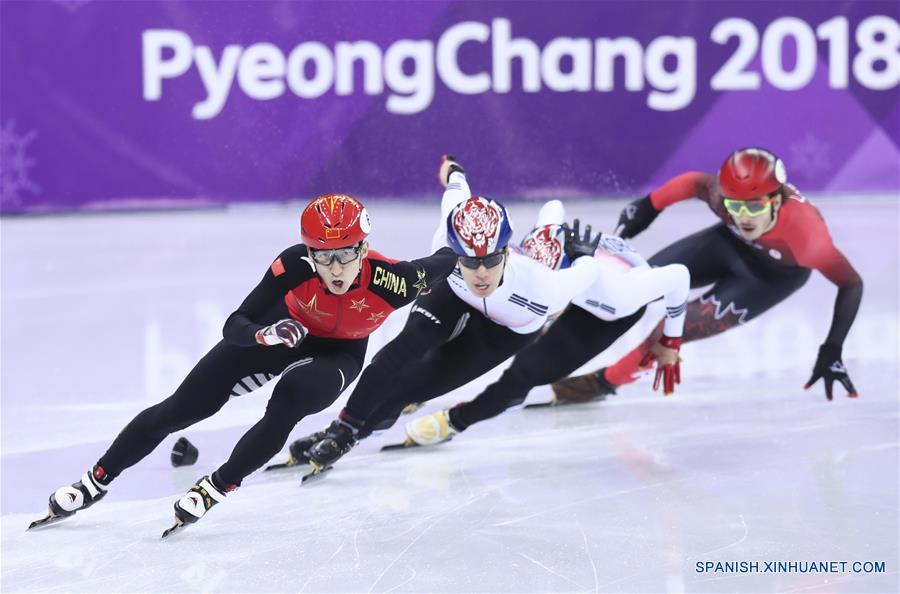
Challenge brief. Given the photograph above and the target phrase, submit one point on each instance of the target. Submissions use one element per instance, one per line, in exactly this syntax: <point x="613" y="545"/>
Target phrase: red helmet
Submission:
<point x="334" y="221"/>
<point x="751" y="173"/>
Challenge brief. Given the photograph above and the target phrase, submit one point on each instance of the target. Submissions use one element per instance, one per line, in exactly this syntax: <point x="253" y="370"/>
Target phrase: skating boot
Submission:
<point x="65" y="501"/>
<point x="582" y="388"/>
<point x="298" y="451"/>
<point x="340" y="437"/>
<point x="196" y="502"/>
<point x="428" y="430"/>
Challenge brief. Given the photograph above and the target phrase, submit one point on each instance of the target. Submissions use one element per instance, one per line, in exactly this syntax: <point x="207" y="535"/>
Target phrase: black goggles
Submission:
<point x="343" y="255"/>
<point x="489" y="261"/>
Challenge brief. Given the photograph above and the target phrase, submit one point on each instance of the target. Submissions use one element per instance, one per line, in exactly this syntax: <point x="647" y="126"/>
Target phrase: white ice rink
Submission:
<point x="102" y="315"/>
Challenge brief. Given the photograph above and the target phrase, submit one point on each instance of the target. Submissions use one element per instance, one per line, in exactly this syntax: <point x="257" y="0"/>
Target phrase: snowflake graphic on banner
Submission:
<point x="14" y="164"/>
<point x="809" y="157"/>
<point x="611" y="182"/>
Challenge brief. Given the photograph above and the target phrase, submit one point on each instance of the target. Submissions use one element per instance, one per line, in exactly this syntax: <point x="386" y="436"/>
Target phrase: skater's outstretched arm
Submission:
<point x="820" y="253"/>
<point x="638" y="215"/>
<point x="452" y="176"/>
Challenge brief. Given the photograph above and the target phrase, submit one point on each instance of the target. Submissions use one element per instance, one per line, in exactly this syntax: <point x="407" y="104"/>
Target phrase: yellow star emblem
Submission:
<point x="420" y="283"/>
<point x="359" y="305"/>
<point x="311" y="307"/>
<point x="376" y="316"/>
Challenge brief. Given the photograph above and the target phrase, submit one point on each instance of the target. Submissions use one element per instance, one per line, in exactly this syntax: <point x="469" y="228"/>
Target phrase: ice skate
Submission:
<point x="405" y="444"/>
<point x="194" y="504"/>
<point x="65" y="501"/>
<point x="298" y="451"/>
<point x="339" y="438"/>
<point x="316" y="473"/>
<point x="579" y="389"/>
<point x="427" y="430"/>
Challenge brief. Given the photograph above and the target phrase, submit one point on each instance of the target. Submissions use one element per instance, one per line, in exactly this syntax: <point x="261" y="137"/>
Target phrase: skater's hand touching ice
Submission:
<point x="830" y="368"/>
<point x="668" y="363"/>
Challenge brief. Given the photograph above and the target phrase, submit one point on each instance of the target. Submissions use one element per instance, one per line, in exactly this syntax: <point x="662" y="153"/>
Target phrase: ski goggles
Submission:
<point x="751" y="208"/>
<point x="489" y="261"/>
<point x="342" y="255"/>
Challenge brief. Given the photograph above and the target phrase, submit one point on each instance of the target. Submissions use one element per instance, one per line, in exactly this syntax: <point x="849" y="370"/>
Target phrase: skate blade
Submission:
<point x="550" y="403"/>
<point x="409" y="443"/>
<point x="542" y="404"/>
<point x="411" y="408"/>
<point x="289" y="464"/>
<point x="177" y="527"/>
<point x="47" y="520"/>
<point x="315" y="474"/>
<point x="406" y="443"/>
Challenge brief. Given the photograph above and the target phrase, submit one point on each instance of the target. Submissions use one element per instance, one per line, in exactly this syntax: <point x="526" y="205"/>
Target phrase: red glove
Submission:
<point x="668" y="363"/>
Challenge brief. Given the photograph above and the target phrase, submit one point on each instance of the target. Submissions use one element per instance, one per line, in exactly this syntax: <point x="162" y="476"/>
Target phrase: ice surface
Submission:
<point x="102" y="315"/>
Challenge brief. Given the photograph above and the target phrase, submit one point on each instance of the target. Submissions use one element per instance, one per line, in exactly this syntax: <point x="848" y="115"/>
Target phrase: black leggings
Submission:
<point x="575" y="338"/>
<point x="312" y="377"/>
<point x="444" y="345"/>
<point x="745" y="284"/>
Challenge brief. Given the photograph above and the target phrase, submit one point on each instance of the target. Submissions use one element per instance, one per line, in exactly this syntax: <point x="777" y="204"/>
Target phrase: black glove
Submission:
<point x="340" y="437"/>
<point x="577" y="246"/>
<point x="636" y="217"/>
<point x="288" y="332"/>
<point x="830" y="368"/>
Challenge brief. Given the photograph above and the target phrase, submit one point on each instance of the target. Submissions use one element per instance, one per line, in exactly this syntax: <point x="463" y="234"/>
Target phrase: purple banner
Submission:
<point x="136" y="104"/>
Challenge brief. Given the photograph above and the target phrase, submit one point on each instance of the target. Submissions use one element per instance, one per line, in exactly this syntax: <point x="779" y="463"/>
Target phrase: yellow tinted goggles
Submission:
<point x="750" y="208"/>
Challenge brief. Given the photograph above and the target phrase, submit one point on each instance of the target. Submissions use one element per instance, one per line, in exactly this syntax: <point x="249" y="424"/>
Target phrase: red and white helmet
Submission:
<point x="334" y="221"/>
<point x="478" y="227"/>
<point x="546" y="244"/>
<point x="751" y="173"/>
